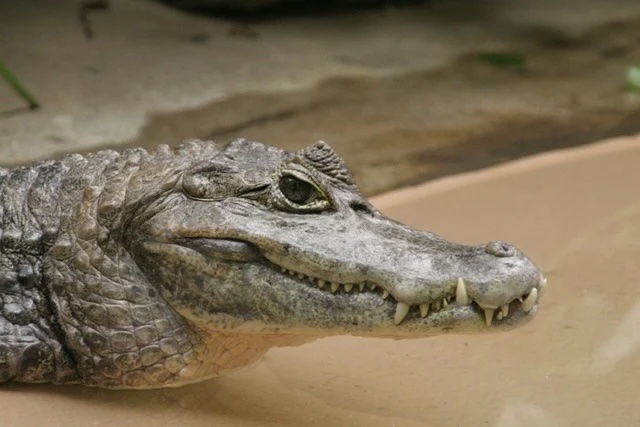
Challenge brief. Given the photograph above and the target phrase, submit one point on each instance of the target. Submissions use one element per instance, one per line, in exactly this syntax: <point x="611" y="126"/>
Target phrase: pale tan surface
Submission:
<point x="576" y="213"/>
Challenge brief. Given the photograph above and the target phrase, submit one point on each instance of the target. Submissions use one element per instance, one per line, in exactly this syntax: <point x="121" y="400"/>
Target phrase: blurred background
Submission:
<point x="404" y="90"/>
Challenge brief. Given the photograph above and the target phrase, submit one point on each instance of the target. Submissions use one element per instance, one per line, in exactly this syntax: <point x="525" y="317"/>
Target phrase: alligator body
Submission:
<point x="138" y="270"/>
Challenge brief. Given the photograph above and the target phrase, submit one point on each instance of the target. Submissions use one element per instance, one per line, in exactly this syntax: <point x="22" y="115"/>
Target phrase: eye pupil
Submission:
<point x="296" y="190"/>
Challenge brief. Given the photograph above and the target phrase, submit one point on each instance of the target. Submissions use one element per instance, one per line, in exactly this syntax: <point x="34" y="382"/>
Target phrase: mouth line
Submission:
<point x="459" y="297"/>
<point x="246" y="252"/>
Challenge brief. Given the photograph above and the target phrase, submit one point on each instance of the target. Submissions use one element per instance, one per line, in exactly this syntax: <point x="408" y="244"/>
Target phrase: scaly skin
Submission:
<point x="140" y="270"/>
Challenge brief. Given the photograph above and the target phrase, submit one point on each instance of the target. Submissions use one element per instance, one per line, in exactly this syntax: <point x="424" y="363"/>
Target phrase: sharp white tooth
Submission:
<point x="530" y="301"/>
<point x="361" y="286"/>
<point x="321" y="283"/>
<point x="401" y="312"/>
<point x="372" y="286"/>
<point x="499" y="316"/>
<point x="424" y="309"/>
<point x="445" y="303"/>
<point x="348" y="287"/>
<point x="437" y="304"/>
<point x="541" y="280"/>
<point x="462" y="298"/>
<point x="541" y="286"/>
<point x="505" y="310"/>
<point x="334" y="287"/>
<point x="385" y="294"/>
<point x="488" y="315"/>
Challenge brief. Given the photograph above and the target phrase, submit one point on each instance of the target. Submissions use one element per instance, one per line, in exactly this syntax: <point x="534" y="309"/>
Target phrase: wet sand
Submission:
<point x="575" y="212"/>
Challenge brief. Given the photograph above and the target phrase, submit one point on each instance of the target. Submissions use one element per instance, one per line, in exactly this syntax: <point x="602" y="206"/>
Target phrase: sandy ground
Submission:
<point x="575" y="212"/>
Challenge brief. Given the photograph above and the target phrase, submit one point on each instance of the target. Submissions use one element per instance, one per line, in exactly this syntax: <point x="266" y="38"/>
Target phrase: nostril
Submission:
<point x="499" y="249"/>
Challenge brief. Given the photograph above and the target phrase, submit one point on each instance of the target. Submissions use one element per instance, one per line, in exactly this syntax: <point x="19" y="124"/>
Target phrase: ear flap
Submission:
<point x="214" y="181"/>
<point x="240" y="168"/>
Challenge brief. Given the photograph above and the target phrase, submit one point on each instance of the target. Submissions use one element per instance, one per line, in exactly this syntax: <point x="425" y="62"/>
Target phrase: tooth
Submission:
<point x="291" y="272"/>
<point x="334" y="287"/>
<point x="385" y="294"/>
<point x="445" y="303"/>
<point x="321" y="283"/>
<point x="499" y="316"/>
<point x="488" y="315"/>
<point x="541" y="286"/>
<point x="361" y="286"/>
<point x="530" y="301"/>
<point x="424" y="309"/>
<point x="401" y="312"/>
<point x="436" y="305"/>
<point x="348" y="287"/>
<point x="462" y="298"/>
<point x="505" y="310"/>
<point x="284" y="270"/>
<point x="542" y="280"/>
<point x="372" y="286"/>
<point x="300" y="276"/>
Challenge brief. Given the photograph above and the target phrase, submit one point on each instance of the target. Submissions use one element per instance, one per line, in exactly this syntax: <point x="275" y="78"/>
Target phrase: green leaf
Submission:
<point x="503" y="59"/>
<point x="12" y="80"/>
<point x="633" y="77"/>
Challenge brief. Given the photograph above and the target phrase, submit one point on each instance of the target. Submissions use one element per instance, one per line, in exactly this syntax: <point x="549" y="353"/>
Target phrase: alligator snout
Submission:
<point x="500" y="249"/>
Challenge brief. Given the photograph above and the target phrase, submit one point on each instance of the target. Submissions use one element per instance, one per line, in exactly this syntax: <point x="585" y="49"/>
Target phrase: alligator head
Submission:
<point x="262" y="241"/>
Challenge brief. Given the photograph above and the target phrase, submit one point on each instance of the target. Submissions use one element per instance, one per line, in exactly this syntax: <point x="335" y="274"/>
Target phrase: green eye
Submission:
<point x="297" y="191"/>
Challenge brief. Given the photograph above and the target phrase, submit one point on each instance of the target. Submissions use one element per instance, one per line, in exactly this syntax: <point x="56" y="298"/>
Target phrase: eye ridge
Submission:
<point x="297" y="190"/>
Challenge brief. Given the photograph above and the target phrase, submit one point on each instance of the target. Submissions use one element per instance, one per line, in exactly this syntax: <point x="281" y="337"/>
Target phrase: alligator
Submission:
<point x="152" y="269"/>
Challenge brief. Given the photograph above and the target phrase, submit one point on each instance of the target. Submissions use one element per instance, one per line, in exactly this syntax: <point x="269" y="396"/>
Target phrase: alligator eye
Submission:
<point x="297" y="191"/>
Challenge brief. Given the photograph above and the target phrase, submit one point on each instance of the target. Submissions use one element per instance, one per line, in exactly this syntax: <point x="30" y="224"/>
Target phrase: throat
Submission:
<point x="218" y="352"/>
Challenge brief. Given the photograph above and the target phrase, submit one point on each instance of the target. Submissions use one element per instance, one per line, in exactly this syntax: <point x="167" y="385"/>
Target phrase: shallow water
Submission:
<point x="576" y="213"/>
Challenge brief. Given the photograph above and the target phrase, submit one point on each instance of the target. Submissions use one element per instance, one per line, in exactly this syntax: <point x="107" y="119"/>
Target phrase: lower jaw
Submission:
<point x="469" y="319"/>
<point x="371" y="310"/>
<point x="377" y="321"/>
